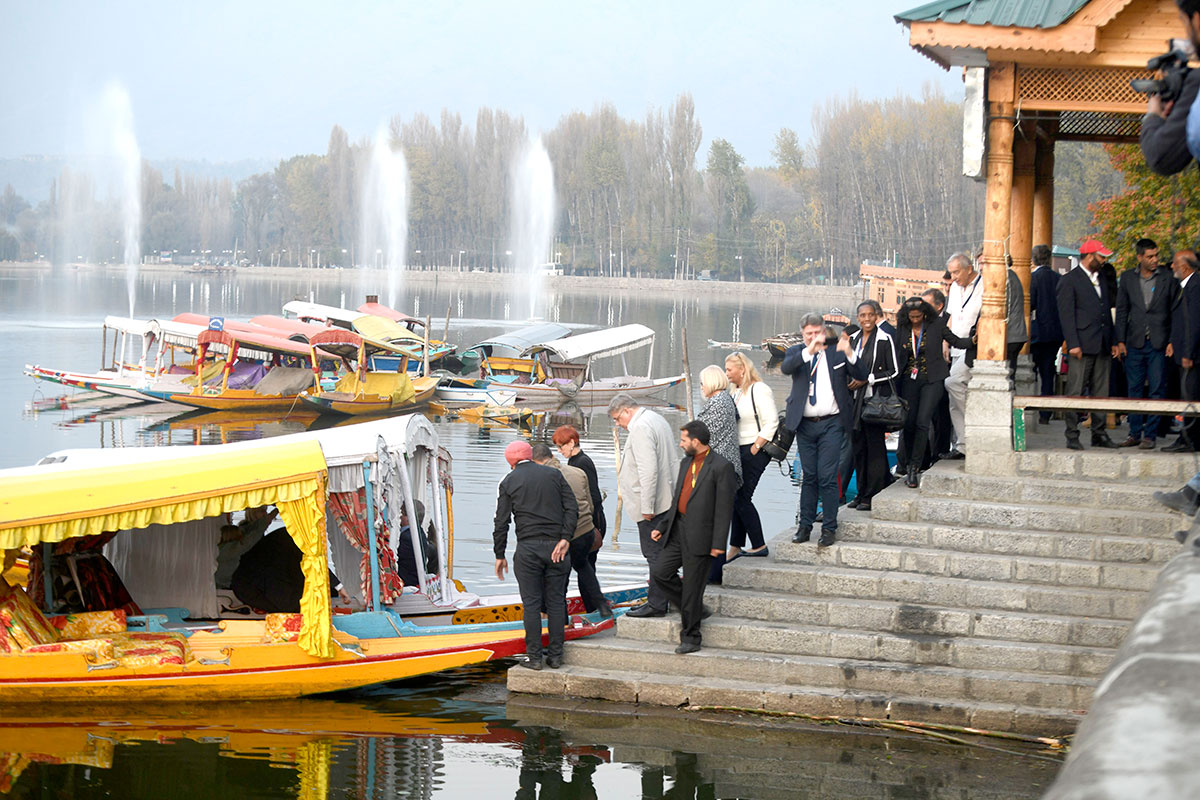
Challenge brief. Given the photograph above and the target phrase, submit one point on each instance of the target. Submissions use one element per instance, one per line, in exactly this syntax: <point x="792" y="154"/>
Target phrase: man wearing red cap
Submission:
<point x="543" y="507"/>
<point x="1084" y="300"/>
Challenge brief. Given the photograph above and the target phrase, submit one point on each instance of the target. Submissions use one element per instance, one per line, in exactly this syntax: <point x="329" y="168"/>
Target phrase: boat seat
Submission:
<point x="283" y="627"/>
<point x="100" y="635"/>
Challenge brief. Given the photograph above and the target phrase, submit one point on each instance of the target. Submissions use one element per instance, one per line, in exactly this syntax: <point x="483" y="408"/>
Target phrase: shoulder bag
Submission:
<point x="886" y="412"/>
<point x="781" y="442"/>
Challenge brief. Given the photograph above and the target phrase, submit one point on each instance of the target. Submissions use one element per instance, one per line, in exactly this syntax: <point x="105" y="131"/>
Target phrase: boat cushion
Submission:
<point x="165" y="644"/>
<point x="283" y="627"/>
<point x="22" y="624"/>
<point x="394" y="385"/>
<point x="145" y="655"/>
<point x="99" y="650"/>
<point x="88" y="624"/>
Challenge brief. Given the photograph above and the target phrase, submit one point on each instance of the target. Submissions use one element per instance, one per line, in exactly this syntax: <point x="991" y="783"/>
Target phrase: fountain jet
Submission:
<point x="114" y="124"/>
<point x="532" y="222"/>
<point x="385" y="213"/>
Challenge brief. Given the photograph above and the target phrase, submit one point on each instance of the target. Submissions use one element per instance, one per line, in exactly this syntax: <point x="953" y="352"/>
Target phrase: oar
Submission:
<point x="617" y="450"/>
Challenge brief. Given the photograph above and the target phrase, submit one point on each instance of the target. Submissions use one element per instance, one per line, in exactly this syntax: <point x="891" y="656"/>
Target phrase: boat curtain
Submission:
<point x="168" y="566"/>
<point x="349" y="510"/>
<point x="305" y="520"/>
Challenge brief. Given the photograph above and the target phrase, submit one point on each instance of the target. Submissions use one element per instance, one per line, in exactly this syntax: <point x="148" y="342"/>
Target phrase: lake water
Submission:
<point x="450" y="735"/>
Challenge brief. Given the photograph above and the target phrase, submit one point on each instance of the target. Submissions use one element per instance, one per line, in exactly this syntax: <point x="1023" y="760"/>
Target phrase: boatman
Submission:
<point x="543" y="507"/>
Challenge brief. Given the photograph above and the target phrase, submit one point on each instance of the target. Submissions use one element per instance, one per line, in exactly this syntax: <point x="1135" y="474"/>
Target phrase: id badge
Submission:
<point x="913" y="374"/>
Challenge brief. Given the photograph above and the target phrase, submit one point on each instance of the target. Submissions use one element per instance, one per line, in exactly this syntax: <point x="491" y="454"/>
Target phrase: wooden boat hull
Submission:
<point x="591" y="392"/>
<point x="107" y="382"/>
<point x="237" y="400"/>
<point x="260" y="671"/>
<point x="492" y="395"/>
<point x="344" y="404"/>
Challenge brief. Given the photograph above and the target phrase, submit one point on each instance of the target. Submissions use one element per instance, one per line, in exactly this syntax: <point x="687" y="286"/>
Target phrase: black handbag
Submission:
<point x="781" y="442"/>
<point x="885" y="412"/>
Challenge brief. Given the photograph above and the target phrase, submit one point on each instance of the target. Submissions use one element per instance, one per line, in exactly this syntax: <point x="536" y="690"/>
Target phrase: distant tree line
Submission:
<point x="879" y="180"/>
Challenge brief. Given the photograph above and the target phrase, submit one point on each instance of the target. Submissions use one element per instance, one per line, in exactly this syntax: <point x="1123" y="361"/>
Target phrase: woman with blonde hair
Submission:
<point x="720" y="416"/>
<point x="758" y="417"/>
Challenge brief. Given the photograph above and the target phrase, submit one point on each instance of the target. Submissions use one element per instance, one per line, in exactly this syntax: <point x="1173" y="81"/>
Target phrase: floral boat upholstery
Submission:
<point x="283" y="627"/>
<point x="100" y="635"/>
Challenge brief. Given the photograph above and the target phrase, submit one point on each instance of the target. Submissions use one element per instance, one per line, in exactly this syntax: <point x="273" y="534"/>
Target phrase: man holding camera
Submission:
<point x="821" y="412"/>
<point x="1164" y="128"/>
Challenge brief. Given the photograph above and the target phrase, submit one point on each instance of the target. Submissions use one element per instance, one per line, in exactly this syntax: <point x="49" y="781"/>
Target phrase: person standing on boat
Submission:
<point x="544" y="511"/>
<point x="645" y="479"/>
<point x="758" y="418"/>
<point x="585" y="533"/>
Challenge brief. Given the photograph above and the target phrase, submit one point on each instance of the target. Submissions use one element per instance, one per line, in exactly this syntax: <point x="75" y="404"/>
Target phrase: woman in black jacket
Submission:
<point x="919" y="336"/>
<point x="877" y="352"/>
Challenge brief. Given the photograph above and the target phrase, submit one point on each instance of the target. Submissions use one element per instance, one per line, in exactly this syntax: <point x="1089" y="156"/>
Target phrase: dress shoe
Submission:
<point x="865" y="505"/>
<point x="1185" y="501"/>
<point x="761" y="552"/>
<point x="913" y="479"/>
<point x="532" y="663"/>
<point x="955" y="455"/>
<point x="687" y="647"/>
<point x="1043" y="419"/>
<point x="646" y="610"/>
<point x="553" y="662"/>
<point x="1146" y="444"/>
<point x="1178" y="446"/>
<point x="802" y="535"/>
<point x="1103" y="441"/>
<point x="705" y="612"/>
<point x="1132" y="441"/>
<point x="1074" y="444"/>
<point x="853" y="503"/>
<point x="826" y="539"/>
<point x="606" y="610"/>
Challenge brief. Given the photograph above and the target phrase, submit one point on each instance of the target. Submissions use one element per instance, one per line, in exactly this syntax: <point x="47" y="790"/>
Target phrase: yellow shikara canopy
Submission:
<point x="50" y="504"/>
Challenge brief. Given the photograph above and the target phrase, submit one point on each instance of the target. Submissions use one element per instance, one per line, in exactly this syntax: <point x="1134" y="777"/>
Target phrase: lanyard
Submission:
<point x="967" y="299"/>
<point x="916" y="341"/>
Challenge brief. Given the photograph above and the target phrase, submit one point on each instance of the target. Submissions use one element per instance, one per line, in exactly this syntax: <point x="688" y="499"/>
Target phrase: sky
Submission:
<point x="226" y="81"/>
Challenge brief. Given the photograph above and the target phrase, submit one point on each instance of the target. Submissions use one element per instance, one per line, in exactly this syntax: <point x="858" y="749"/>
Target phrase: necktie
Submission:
<point x="812" y="380"/>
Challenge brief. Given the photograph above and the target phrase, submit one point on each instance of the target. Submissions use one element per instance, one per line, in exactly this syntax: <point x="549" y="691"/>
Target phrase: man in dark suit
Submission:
<point x="941" y="437"/>
<point x="1083" y="308"/>
<point x="1184" y="348"/>
<point x="821" y="412"/>
<point x="695" y="530"/>
<point x="1045" y="334"/>
<point x="1143" y="330"/>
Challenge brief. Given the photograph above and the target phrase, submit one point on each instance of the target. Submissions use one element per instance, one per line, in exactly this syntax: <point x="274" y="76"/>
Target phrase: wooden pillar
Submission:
<point x="1043" y="193"/>
<point x="997" y="222"/>
<point x="1020" y="243"/>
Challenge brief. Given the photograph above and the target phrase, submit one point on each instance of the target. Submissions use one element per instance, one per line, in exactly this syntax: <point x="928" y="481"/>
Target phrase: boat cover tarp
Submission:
<point x="597" y="344"/>
<point x="284" y="382"/>
<point x="57" y="501"/>
<point x="395" y="385"/>
<point x="302" y="310"/>
<point x="246" y="375"/>
<point x="513" y="343"/>
<point x="210" y="370"/>
<point x="135" y="327"/>
<point x="385" y="330"/>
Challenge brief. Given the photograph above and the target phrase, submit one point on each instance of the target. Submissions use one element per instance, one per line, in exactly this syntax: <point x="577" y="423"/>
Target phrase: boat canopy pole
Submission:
<point x="439" y="527"/>
<point x="413" y="522"/>
<point x="650" y="365"/>
<point x="371" y="537"/>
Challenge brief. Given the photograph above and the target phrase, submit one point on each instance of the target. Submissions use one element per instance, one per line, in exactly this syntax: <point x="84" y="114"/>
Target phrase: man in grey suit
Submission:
<point x="694" y="531"/>
<point x="645" y="477"/>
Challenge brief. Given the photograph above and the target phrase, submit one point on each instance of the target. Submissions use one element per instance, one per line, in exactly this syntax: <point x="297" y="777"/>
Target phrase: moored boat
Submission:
<point x="361" y="390"/>
<point x="243" y="371"/>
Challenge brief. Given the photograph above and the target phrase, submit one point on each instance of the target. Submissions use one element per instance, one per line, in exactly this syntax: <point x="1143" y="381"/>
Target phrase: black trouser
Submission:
<point x="650" y="551"/>
<point x="1044" y="356"/>
<point x="923" y="396"/>
<point x="1189" y="381"/>
<point x="1090" y="373"/>
<point x="585" y="573"/>
<point x="1174" y="392"/>
<point x="943" y="430"/>
<point x="542" y="584"/>
<point x="746" y="521"/>
<point x="688" y="593"/>
<point x="870" y="460"/>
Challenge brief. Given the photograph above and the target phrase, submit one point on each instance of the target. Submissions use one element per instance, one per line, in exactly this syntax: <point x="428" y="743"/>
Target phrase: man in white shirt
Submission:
<point x="963" y="304"/>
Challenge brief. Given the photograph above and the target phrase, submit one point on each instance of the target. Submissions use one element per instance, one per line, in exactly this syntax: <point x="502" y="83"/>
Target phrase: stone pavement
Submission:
<point x="988" y="601"/>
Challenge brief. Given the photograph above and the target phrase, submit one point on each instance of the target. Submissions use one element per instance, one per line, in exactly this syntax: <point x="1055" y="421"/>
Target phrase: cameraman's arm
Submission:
<point x="1164" y="139"/>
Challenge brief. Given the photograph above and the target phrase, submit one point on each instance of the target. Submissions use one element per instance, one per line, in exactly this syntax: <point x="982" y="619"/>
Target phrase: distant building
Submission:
<point x="892" y="285"/>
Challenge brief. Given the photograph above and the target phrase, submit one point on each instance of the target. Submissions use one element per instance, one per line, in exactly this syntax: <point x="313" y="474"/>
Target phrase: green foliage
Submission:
<point x="1151" y="206"/>
<point x="1083" y="175"/>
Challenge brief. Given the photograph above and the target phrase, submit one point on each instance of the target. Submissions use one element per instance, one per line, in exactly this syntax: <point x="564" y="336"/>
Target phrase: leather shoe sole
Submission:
<point x="687" y="647"/>
<point x="646" y="610"/>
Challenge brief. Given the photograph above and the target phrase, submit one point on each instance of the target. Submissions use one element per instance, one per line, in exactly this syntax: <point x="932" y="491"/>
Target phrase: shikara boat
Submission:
<point x="156" y="514"/>
<point x="405" y="333"/>
<point x="243" y="371"/>
<point x="361" y="390"/>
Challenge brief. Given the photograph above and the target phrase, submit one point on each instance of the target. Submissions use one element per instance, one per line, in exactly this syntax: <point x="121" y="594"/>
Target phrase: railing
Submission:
<point x="1104" y="405"/>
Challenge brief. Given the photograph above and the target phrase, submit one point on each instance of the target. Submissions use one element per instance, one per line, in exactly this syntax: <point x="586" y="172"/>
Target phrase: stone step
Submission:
<point x="1155" y="468"/>
<point x="949" y="479"/>
<point x="978" y="566"/>
<point x="908" y="618"/>
<point x="657" y="688"/>
<point x="1097" y="547"/>
<point x="804" y="580"/>
<point x="963" y="652"/>
<point x="990" y="686"/>
<point x="900" y="504"/>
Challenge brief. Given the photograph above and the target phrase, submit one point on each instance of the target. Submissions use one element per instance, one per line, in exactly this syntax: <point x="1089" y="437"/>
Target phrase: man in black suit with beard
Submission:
<point x="1083" y="302"/>
<point x="696" y="530"/>
<point x="1184" y="347"/>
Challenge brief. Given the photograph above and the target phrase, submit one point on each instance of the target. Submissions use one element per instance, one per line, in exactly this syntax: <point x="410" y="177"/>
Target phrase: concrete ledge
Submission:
<point x="1140" y="739"/>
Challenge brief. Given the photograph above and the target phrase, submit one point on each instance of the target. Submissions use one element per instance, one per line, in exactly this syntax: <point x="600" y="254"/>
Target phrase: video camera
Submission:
<point x="1171" y="68"/>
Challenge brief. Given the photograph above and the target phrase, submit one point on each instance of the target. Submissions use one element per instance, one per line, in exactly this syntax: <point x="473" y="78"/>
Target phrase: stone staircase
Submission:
<point x="993" y="602"/>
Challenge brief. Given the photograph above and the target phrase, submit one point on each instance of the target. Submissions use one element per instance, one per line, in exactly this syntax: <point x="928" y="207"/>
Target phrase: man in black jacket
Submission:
<point x="1083" y="308"/>
<point x="1164" y="127"/>
<point x="1045" y="330"/>
<point x="695" y="530"/>
<point x="543" y="507"/>
<point x="1185" y="344"/>
<point x="1143" y="330"/>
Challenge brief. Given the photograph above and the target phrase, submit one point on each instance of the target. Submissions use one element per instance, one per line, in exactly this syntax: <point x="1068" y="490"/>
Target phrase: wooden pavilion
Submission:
<point x="1036" y="72"/>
